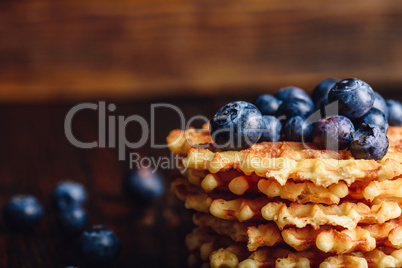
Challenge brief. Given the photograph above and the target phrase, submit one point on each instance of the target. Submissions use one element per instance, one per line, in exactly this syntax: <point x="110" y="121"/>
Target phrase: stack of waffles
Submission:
<point x="288" y="204"/>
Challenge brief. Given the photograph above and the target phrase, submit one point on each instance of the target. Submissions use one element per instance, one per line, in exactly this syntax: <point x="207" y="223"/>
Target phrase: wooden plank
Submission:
<point x="94" y="49"/>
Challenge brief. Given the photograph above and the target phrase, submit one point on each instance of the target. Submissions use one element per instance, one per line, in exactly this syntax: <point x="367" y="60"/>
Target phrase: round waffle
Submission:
<point x="288" y="160"/>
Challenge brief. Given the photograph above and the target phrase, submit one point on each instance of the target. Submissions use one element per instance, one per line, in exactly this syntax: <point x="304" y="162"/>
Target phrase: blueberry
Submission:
<point x="236" y="126"/>
<point x="143" y="185"/>
<point x="73" y="220"/>
<point x="320" y="93"/>
<point x="293" y="93"/>
<point x="69" y="194"/>
<point x="98" y="244"/>
<point x="267" y="104"/>
<point x="394" y="113"/>
<point x="369" y="143"/>
<point x="333" y="133"/>
<point x="298" y="128"/>
<point x="380" y="103"/>
<point x="273" y="128"/>
<point x="23" y="212"/>
<point x="355" y="97"/>
<point x="294" y="107"/>
<point x="374" y="117"/>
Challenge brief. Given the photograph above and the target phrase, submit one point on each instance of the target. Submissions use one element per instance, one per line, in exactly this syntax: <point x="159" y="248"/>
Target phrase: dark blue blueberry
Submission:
<point x="374" y="117"/>
<point x="369" y="143"/>
<point x="143" y="184"/>
<point x="267" y="104"/>
<point x="333" y="133"/>
<point x="320" y="93"/>
<point x="98" y="244"/>
<point x="355" y="97"/>
<point x="73" y="220"/>
<point x="295" y="107"/>
<point x="236" y="126"/>
<point x="71" y="267"/>
<point x="379" y="103"/>
<point x="273" y="128"/>
<point x="293" y="93"/>
<point x="69" y="194"/>
<point x="23" y="212"/>
<point x="394" y="113"/>
<point x="298" y="128"/>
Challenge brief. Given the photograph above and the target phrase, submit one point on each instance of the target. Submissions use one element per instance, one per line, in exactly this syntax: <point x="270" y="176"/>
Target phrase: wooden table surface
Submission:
<point x="35" y="155"/>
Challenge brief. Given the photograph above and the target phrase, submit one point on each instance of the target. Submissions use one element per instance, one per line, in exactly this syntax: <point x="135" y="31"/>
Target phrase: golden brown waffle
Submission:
<point x="201" y="243"/>
<point x="235" y="230"/>
<point x="383" y="189"/>
<point x="221" y="206"/>
<point x="181" y="141"/>
<point x="299" y="192"/>
<point x="322" y="172"/>
<point x="239" y="184"/>
<point x="271" y="257"/>
<point x="256" y="235"/>
<point x="288" y="160"/>
<point x="363" y="238"/>
<point x="237" y="255"/>
<point x="346" y="215"/>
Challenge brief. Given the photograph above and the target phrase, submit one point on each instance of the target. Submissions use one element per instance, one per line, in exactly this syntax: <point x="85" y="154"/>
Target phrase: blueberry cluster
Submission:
<point x="96" y="244"/>
<point x="341" y="114"/>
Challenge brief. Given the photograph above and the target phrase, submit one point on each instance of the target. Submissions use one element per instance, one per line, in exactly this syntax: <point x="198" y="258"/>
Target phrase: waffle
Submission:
<point x="239" y="184"/>
<point x="287" y="160"/>
<point x="362" y="238"/>
<point x="322" y="172"/>
<point x="271" y="257"/>
<point x="300" y="192"/>
<point x="227" y="208"/>
<point x="206" y="254"/>
<point x="202" y="243"/>
<point x="383" y="189"/>
<point x="256" y="235"/>
<point x="181" y="141"/>
<point x="346" y="215"/>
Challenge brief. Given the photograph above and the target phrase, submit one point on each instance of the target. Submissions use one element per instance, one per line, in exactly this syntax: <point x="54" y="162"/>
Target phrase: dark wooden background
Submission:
<point x="35" y="155"/>
<point x="78" y="49"/>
